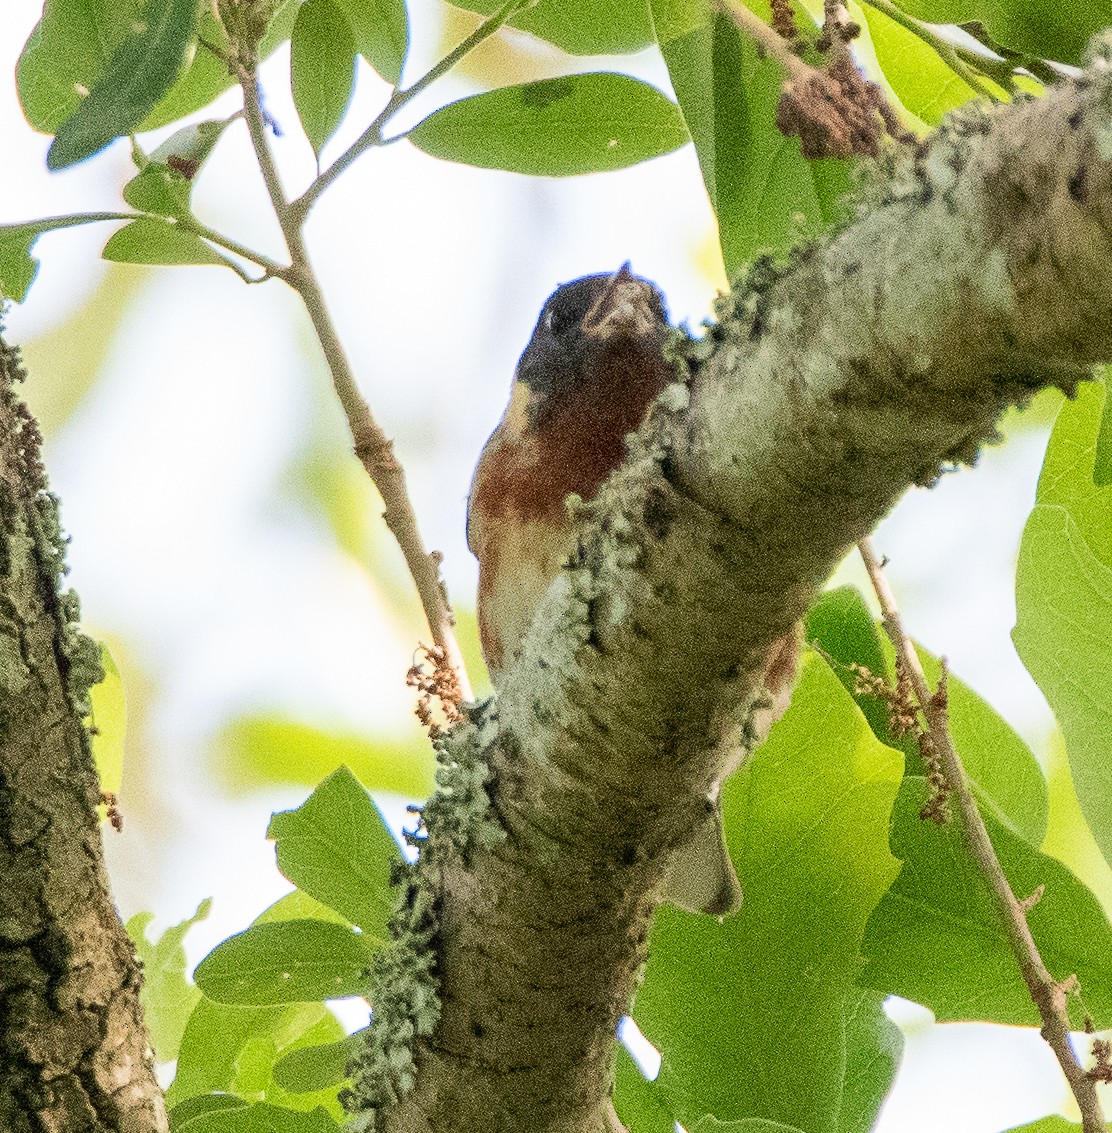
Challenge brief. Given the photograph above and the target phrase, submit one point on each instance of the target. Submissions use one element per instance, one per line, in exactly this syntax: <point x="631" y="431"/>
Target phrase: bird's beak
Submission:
<point x="623" y="307"/>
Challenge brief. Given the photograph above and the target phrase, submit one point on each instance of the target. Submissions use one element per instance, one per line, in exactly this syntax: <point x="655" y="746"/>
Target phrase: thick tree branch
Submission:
<point x="75" y="1051"/>
<point x="977" y="272"/>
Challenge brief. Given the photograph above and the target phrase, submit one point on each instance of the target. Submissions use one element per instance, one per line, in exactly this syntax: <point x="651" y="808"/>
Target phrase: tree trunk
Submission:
<point x="74" y="1051"/>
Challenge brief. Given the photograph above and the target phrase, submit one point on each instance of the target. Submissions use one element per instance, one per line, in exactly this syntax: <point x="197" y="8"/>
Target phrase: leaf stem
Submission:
<point x="945" y="50"/>
<point x="372" y="446"/>
<point x="1048" y="994"/>
<point x="372" y="135"/>
<point x="769" y="39"/>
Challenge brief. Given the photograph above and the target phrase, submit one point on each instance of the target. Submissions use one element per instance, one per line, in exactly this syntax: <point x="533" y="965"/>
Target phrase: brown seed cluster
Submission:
<point x="440" y="698"/>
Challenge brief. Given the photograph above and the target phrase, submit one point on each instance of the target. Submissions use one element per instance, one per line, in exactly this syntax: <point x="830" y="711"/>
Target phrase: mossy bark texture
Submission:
<point x="976" y="271"/>
<point x="74" y="1052"/>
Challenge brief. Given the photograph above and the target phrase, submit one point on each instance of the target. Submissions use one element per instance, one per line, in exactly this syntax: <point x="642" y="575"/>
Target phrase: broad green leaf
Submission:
<point x="160" y="190"/>
<point x="874" y="1047"/>
<point x="186" y="150"/>
<point x="18" y="267"/>
<point x="207" y="75"/>
<point x="1064" y="603"/>
<point x="322" y="69"/>
<point x="381" y="29"/>
<point x="259" y="1118"/>
<point x="638" y="1101"/>
<point x="184" y="1115"/>
<point x="710" y="1124"/>
<point x="140" y="71"/>
<point x="771" y="986"/>
<point x="581" y="27"/>
<point x="228" y="1049"/>
<point x="1064" y="635"/>
<point x="286" y="962"/>
<point x="168" y="998"/>
<point x="1049" y="31"/>
<point x="66" y="53"/>
<point x="585" y="123"/>
<point x="1068" y="837"/>
<point x="317" y="1067"/>
<point x="1102" y="457"/>
<point x="766" y="195"/>
<point x="1006" y="776"/>
<point x="1052" y="1124"/>
<point x="936" y="938"/>
<point x="921" y="80"/>
<point x="107" y="724"/>
<point x="840" y="624"/>
<point x="337" y="848"/>
<point x="149" y="241"/>
<point x="272" y="749"/>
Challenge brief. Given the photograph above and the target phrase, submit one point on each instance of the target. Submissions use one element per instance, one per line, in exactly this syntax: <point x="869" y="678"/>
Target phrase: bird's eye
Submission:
<point x="552" y="322"/>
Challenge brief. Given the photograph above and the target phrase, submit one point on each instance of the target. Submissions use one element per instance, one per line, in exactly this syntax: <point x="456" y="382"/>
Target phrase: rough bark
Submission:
<point x="976" y="272"/>
<point x="74" y="1052"/>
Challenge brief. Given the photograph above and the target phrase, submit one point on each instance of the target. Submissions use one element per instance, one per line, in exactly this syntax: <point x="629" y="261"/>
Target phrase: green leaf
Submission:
<point x="258" y="1118"/>
<point x="287" y="962"/>
<point x="317" y="1067"/>
<point x="337" y="848"/>
<point x="322" y="69"/>
<point x="766" y="195"/>
<point x="1063" y="627"/>
<point x="227" y="1049"/>
<point x="271" y="749"/>
<point x="140" y="71"/>
<point x="638" y="1101"/>
<point x="874" y="1047"/>
<point x="920" y="79"/>
<point x="1005" y="774"/>
<point x="168" y="998"/>
<point x="186" y="1114"/>
<point x="1102" y="458"/>
<point x="840" y="625"/>
<point x="1068" y="837"/>
<point x="207" y="75"/>
<point x="187" y="149"/>
<point x="581" y="27"/>
<point x="108" y="723"/>
<point x="1046" y="30"/>
<point x="585" y="123"/>
<point x="66" y="52"/>
<point x="18" y="267"/>
<point x="160" y="190"/>
<point x="381" y="29"/>
<point x="936" y="937"/>
<point x="149" y="241"/>
<point x="772" y="985"/>
<point x="1052" y="1124"/>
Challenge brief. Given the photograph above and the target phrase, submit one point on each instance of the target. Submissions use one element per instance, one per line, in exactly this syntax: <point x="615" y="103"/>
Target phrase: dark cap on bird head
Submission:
<point x="581" y="317"/>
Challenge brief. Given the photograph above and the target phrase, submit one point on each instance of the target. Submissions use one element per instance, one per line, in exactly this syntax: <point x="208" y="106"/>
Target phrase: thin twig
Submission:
<point x="373" y="447"/>
<point x="769" y="40"/>
<point x="372" y="135"/>
<point x="1049" y="995"/>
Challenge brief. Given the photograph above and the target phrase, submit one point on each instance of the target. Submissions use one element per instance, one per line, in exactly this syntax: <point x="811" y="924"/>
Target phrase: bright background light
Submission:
<point x="185" y="411"/>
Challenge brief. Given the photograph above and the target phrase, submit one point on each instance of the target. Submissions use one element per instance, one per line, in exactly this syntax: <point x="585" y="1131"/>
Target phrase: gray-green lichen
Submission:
<point x="28" y="510"/>
<point x="406" y="992"/>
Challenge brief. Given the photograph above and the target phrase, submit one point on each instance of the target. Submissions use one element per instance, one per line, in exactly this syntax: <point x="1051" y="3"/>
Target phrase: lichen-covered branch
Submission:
<point x="977" y="271"/>
<point x="75" y="1053"/>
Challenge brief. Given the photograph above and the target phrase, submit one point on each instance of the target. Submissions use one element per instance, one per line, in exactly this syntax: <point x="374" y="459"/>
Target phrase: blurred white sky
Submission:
<point x="186" y="550"/>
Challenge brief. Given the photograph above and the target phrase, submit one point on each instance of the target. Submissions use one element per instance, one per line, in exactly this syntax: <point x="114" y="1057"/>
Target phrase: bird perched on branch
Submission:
<point x="592" y="368"/>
